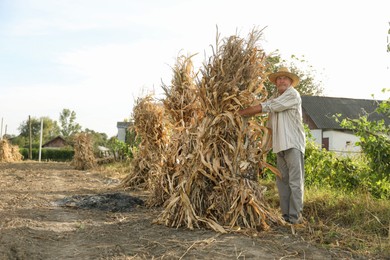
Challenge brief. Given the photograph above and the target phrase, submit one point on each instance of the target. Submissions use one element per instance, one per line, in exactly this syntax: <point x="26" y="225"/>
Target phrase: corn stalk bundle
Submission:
<point x="8" y="152"/>
<point x="181" y="102"/>
<point x="147" y="162"/>
<point x="16" y="155"/>
<point x="84" y="157"/>
<point x="182" y="108"/>
<point x="218" y="187"/>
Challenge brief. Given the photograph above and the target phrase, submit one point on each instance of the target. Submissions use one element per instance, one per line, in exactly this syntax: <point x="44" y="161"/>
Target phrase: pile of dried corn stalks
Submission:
<point x="8" y="152"/>
<point x="84" y="157"/>
<point x="207" y="175"/>
<point x="147" y="162"/>
<point x="182" y="109"/>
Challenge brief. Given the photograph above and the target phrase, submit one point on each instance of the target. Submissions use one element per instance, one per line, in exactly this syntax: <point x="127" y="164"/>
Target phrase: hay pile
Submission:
<point x="84" y="157"/>
<point x="181" y="102"/>
<point x="8" y="152"/>
<point x="206" y="174"/>
<point x="182" y="108"/>
<point x="217" y="178"/>
<point x="147" y="162"/>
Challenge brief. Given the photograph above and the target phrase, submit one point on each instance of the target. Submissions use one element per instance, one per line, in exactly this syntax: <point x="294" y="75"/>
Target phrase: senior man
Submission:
<point x="288" y="141"/>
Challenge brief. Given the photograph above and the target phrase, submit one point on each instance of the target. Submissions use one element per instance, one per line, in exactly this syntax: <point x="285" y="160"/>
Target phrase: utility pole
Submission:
<point x="40" y="142"/>
<point x="1" y="131"/>
<point x="30" y="151"/>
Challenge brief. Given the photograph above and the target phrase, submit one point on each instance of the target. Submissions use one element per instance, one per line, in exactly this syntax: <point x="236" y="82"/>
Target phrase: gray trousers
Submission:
<point x="290" y="163"/>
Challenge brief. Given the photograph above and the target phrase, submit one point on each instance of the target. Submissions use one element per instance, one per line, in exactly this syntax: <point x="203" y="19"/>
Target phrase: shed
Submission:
<point x="103" y="151"/>
<point x="57" y="142"/>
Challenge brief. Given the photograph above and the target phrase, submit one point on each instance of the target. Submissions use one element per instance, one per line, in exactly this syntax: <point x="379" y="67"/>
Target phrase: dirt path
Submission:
<point x="42" y="217"/>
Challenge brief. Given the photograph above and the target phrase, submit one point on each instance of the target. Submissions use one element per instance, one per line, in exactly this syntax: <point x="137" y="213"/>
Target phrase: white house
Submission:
<point x="122" y="128"/>
<point x="318" y="115"/>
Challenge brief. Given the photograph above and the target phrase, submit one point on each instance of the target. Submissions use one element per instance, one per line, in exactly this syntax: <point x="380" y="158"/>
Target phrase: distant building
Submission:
<point x="317" y="114"/>
<point x="57" y="142"/>
<point x="103" y="151"/>
<point x="122" y="128"/>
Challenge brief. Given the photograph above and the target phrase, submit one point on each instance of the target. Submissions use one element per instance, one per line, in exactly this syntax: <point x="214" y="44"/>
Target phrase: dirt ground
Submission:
<point x="51" y="211"/>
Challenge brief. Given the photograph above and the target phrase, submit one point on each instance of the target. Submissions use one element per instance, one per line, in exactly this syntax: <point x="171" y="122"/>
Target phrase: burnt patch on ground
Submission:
<point x="112" y="202"/>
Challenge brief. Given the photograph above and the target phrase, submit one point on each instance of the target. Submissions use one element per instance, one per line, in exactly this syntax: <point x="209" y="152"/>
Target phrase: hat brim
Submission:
<point x="273" y="76"/>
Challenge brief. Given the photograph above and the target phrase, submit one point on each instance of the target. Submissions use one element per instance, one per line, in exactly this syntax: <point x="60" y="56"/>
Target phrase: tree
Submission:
<point x="374" y="139"/>
<point x="307" y="85"/>
<point x="68" y="123"/>
<point x="50" y="130"/>
<point x="388" y="41"/>
<point x="97" y="138"/>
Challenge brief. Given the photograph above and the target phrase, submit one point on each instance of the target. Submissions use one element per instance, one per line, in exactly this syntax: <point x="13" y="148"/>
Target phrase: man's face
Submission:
<point x="283" y="83"/>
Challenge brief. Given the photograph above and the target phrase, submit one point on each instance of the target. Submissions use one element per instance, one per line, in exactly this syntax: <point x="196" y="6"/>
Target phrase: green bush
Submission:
<point x="60" y="155"/>
<point x="122" y="150"/>
<point x="326" y="169"/>
<point x="374" y="139"/>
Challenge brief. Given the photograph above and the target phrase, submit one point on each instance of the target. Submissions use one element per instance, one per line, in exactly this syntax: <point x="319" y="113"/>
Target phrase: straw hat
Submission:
<point x="283" y="71"/>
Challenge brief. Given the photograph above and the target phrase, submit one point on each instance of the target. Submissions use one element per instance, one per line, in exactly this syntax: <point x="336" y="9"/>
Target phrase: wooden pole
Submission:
<point x="30" y="139"/>
<point x="40" y="141"/>
<point x="1" y="131"/>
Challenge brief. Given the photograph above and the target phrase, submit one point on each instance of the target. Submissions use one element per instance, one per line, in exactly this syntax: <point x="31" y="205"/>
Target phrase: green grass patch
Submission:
<point x="354" y="221"/>
<point x="339" y="220"/>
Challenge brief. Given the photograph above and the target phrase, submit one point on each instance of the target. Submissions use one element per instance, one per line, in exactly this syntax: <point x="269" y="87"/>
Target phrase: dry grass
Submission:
<point x="354" y="221"/>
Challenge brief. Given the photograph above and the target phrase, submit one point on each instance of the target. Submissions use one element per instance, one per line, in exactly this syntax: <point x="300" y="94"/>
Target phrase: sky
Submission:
<point x="96" y="57"/>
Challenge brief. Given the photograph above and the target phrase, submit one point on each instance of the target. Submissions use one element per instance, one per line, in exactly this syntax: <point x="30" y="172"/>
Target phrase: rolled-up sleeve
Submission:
<point x="285" y="101"/>
<point x="285" y="120"/>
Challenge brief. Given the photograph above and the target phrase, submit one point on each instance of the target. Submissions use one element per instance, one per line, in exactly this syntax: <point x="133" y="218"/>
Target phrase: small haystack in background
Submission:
<point x="217" y="182"/>
<point x="84" y="157"/>
<point x="148" y="160"/>
<point x="8" y="152"/>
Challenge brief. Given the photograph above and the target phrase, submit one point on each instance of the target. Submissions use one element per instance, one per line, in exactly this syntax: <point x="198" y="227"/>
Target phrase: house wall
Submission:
<point x="339" y="142"/>
<point x="317" y="136"/>
<point x="122" y="128"/>
<point x="121" y="134"/>
<point x="342" y="142"/>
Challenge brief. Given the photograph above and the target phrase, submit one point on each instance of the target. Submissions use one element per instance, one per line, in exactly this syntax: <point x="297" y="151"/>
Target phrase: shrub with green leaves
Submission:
<point x="326" y="169"/>
<point x="374" y="139"/>
<point x="60" y="155"/>
<point x="121" y="149"/>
